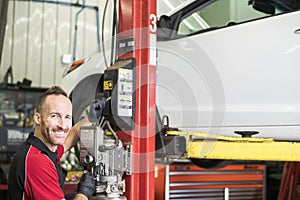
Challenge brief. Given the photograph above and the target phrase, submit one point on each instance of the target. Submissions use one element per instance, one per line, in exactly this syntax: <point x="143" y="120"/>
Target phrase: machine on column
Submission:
<point x="101" y="151"/>
<point x="107" y="159"/>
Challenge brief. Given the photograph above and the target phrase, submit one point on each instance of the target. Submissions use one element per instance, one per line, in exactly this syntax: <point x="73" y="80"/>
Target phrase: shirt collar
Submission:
<point x="36" y="142"/>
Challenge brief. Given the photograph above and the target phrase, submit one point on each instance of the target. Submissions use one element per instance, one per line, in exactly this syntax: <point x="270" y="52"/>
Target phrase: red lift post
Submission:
<point x="137" y="22"/>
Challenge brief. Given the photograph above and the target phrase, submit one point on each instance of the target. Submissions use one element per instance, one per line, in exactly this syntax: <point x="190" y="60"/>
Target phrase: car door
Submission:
<point x="241" y="73"/>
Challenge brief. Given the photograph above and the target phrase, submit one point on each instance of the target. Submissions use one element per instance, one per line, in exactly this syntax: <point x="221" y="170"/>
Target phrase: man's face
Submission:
<point x="56" y="120"/>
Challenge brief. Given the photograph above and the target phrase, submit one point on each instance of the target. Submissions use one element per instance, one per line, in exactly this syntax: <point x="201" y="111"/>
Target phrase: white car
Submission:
<point x="222" y="67"/>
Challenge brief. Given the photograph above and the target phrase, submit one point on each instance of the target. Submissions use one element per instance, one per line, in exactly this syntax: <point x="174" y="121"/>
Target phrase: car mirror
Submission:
<point x="164" y="26"/>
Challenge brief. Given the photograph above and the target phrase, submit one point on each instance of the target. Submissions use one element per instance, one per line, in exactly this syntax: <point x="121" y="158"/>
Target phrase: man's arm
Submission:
<point x="94" y="115"/>
<point x="73" y="136"/>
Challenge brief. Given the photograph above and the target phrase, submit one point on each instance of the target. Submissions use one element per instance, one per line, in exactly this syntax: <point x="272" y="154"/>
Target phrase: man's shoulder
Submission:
<point x="36" y="156"/>
<point x="39" y="163"/>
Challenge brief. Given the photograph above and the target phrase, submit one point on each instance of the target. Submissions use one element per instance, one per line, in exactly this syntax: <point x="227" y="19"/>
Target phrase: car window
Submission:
<point x="222" y="13"/>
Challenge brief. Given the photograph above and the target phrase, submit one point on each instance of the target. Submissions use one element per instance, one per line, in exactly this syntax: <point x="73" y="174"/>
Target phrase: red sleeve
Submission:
<point x="42" y="179"/>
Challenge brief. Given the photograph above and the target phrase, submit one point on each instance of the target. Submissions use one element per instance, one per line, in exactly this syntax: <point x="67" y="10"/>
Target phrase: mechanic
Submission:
<point x="35" y="171"/>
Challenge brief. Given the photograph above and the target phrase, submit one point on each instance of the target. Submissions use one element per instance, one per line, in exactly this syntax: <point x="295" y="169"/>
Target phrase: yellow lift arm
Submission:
<point x="209" y="146"/>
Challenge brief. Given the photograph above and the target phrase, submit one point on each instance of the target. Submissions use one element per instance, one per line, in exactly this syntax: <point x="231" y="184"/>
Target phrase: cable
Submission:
<point x="102" y="34"/>
<point x="113" y="132"/>
<point x="115" y="32"/>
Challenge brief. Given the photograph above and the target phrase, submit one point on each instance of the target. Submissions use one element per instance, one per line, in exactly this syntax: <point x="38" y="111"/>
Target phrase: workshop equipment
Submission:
<point x="289" y="181"/>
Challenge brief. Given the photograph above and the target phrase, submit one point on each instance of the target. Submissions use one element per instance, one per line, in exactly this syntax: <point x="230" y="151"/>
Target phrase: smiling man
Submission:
<point x="35" y="171"/>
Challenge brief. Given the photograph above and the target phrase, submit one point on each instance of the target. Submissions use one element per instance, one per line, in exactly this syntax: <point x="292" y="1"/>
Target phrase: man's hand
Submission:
<point x="86" y="185"/>
<point x="80" y="197"/>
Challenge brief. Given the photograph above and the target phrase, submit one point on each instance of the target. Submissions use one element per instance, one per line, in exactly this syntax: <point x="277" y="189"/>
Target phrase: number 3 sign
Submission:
<point x="153" y="21"/>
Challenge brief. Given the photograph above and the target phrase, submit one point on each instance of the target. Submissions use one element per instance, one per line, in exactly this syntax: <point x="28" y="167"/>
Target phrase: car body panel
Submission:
<point x="256" y="76"/>
<point x="92" y="65"/>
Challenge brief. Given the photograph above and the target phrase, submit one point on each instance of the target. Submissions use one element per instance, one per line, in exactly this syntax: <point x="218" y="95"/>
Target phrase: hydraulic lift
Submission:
<point x="210" y="146"/>
<point x="137" y="25"/>
<point x="128" y="109"/>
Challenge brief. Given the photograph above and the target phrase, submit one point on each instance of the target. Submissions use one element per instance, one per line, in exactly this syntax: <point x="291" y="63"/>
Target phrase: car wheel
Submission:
<point x="85" y="92"/>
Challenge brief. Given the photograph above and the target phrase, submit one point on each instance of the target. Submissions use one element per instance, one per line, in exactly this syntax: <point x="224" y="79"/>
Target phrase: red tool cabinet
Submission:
<point x="188" y="181"/>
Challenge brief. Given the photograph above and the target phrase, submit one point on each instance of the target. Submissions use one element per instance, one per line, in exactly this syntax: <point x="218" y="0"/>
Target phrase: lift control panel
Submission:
<point x="119" y="90"/>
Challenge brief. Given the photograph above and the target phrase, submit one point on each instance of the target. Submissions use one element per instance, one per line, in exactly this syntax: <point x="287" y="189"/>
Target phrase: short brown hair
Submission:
<point x="56" y="90"/>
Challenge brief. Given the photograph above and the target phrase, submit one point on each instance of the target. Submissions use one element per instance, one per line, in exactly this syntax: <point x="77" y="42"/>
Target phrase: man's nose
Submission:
<point x="63" y="123"/>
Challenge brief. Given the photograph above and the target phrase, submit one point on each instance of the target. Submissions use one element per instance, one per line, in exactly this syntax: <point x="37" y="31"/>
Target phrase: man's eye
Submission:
<point x="68" y="117"/>
<point x="54" y="116"/>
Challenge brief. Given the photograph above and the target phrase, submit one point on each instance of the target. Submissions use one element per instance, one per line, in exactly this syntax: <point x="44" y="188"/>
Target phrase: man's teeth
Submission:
<point x="60" y="133"/>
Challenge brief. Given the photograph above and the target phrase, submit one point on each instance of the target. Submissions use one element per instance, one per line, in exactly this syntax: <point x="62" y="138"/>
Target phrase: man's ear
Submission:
<point x="37" y="118"/>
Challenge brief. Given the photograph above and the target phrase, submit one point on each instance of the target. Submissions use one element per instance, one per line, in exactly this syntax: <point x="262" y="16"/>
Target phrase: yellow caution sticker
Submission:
<point x="108" y="85"/>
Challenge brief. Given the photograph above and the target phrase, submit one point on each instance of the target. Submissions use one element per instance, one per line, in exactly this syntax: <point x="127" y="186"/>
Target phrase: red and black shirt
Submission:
<point x="35" y="172"/>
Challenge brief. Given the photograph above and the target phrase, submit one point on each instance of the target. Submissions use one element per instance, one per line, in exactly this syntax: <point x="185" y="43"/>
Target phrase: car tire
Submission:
<point x="84" y="93"/>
